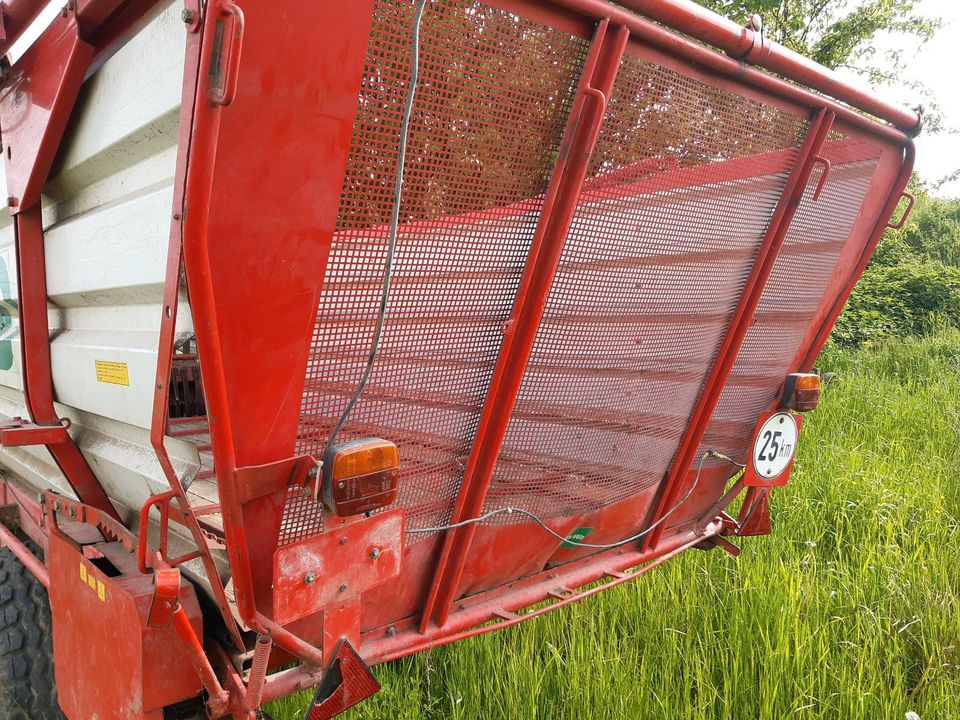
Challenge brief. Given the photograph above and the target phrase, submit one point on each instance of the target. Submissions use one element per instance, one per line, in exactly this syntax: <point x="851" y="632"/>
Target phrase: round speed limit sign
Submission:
<point x="775" y="445"/>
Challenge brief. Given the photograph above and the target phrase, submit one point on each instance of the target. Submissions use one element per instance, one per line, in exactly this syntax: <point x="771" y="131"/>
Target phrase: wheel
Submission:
<point x="27" y="687"/>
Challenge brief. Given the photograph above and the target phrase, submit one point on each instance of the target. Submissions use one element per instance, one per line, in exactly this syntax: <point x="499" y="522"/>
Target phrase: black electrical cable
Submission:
<point x="394" y="221"/>
<point x="538" y="521"/>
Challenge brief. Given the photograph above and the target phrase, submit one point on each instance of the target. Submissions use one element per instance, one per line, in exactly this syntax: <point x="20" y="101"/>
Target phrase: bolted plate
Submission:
<point x="336" y="565"/>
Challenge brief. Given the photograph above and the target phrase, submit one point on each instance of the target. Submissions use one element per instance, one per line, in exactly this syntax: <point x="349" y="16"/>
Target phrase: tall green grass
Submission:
<point x="851" y="609"/>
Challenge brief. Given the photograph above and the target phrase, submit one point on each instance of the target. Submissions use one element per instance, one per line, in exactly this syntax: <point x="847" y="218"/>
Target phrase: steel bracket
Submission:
<point x="166" y="597"/>
<point x="21" y="433"/>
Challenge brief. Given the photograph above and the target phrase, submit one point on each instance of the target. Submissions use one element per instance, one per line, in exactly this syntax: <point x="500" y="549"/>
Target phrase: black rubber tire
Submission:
<point x="28" y="690"/>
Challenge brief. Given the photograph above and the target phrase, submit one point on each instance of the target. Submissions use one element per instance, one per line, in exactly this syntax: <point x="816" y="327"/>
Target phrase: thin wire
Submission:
<point x="394" y="220"/>
<point x="565" y="539"/>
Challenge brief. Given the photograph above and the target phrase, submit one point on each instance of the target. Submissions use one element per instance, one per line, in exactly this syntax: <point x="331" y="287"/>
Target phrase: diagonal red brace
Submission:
<point x="790" y="199"/>
<point x="520" y="332"/>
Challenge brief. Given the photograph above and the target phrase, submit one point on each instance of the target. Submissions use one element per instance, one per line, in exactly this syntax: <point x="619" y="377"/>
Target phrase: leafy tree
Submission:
<point x="913" y="278"/>
<point x="835" y="33"/>
<point x="842" y="34"/>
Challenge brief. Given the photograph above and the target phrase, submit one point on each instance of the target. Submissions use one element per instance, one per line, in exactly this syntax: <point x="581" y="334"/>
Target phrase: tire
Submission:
<point x="28" y="690"/>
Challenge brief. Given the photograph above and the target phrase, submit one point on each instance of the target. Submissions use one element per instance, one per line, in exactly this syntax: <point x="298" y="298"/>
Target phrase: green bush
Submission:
<point x="899" y="301"/>
<point x="912" y="281"/>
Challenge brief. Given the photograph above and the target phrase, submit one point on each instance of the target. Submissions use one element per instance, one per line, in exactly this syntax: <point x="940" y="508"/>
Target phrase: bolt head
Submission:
<point x="188" y="16"/>
<point x="343" y="588"/>
<point x="375" y="553"/>
<point x="309" y="578"/>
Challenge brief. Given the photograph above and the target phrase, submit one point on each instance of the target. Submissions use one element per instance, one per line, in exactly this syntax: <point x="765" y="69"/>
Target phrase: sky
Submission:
<point x="936" y="63"/>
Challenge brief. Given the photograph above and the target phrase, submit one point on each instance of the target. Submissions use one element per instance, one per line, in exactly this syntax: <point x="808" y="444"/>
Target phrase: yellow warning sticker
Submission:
<point x="101" y="591"/>
<point x="83" y="572"/>
<point x="92" y="582"/>
<point x="115" y="373"/>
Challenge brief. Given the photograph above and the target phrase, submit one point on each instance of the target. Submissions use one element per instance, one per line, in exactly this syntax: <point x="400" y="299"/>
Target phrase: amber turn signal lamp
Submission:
<point x="801" y="392"/>
<point x="360" y="475"/>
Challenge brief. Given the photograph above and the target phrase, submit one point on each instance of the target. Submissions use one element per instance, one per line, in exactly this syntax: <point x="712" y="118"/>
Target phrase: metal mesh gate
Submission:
<point x="494" y="97"/>
<point x="679" y="195"/>
<point x="793" y="294"/>
<point x="660" y="248"/>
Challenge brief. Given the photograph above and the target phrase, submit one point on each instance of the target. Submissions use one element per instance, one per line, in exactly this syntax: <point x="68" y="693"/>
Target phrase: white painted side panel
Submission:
<point x="107" y="218"/>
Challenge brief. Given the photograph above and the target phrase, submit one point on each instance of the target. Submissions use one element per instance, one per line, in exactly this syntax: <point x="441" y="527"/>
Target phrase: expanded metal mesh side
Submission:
<point x="663" y="240"/>
<point x="494" y="96"/>
<point x="793" y="294"/>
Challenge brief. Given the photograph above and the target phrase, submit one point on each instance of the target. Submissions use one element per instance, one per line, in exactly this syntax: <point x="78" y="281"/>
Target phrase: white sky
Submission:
<point x="937" y="65"/>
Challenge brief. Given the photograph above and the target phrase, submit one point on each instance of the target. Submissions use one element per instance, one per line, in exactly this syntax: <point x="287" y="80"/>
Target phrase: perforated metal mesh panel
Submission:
<point x="679" y="195"/>
<point x="662" y="243"/>
<point x="793" y="294"/>
<point x="494" y="97"/>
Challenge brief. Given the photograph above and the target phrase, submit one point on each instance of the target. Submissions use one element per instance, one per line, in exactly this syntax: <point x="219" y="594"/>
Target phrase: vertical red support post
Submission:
<point x="168" y="325"/>
<point x="33" y="124"/>
<point x="776" y="234"/>
<point x="35" y="357"/>
<point x="520" y="331"/>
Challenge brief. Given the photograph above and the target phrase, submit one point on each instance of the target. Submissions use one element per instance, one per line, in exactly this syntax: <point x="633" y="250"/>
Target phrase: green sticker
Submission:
<point x="576" y="537"/>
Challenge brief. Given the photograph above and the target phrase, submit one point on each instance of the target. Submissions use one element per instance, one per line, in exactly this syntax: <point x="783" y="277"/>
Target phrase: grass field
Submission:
<point x="850" y="610"/>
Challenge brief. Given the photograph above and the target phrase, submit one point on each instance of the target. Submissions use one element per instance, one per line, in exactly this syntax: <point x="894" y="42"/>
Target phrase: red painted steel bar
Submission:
<point x="17" y="16"/>
<point x="896" y="194"/>
<point x="30" y="561"/>
<point x="748" y="45"/>
<point x="168" y="328"/>
<point x="712" y="388"/>
<point x="35" y="356"/>
<point x="521" y="330"/>
<point x="198" y="658"/>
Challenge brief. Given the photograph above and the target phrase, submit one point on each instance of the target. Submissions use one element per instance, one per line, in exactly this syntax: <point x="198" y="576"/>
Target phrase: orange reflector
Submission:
<point x="360" y="475"/>
<point x="801" y="392"/>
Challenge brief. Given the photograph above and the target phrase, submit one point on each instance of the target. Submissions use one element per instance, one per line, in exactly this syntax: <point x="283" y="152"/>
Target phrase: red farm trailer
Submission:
<point x="331" y="332"/>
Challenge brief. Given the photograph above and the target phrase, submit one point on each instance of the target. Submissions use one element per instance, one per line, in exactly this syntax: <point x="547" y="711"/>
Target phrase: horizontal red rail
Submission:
<point x="467" y="620"/>
<point x="750" y="46"/>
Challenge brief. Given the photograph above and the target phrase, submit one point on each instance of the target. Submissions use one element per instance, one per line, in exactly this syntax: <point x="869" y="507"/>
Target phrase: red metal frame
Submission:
<point x="893" y="200"/>
<point x="249" y="79"/>
<point x="159" y="427"/>
<point x="237" y="380"/>
<point x="33" y="124"/>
